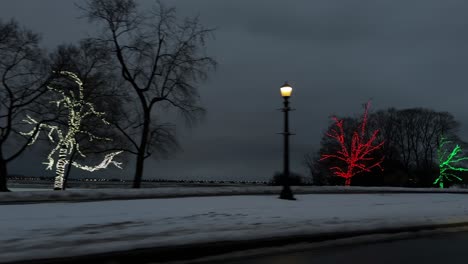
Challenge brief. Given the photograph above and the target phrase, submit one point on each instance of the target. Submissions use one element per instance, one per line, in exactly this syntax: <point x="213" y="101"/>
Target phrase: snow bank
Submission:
<point x="168" y="192"/>
<point x="48" y="230"/>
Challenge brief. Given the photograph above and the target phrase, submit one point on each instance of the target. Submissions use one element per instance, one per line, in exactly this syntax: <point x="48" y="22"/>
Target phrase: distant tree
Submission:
<point x="23" y="79"/>
<point x="395" y="173"/>
<point x="418" y="135"/>
<point x="449" y="162"/>
<point x="161" y="61"/>
<point x="354" y="153"/>
<point x="411" y="141"/>
<point x="317" y="170"/>
<point x="387" y="123"/>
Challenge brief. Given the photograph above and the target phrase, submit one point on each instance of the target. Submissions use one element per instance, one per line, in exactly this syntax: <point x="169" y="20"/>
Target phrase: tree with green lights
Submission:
<point x="449" y="162"/>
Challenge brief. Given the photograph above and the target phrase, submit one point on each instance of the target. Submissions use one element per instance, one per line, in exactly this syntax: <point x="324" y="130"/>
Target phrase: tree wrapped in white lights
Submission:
<point x="65" y="140"/>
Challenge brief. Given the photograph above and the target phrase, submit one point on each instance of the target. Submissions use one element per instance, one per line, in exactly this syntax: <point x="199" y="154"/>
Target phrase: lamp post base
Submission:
<point x="286" y="193"/>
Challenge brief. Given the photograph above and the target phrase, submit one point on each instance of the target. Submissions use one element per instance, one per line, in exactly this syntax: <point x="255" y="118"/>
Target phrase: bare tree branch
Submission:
<point x="161" y="60"/>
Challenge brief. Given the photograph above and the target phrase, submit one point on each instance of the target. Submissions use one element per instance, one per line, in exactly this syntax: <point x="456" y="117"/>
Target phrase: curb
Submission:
<point x="159" y="193"/>
<point x="210" y="249"/>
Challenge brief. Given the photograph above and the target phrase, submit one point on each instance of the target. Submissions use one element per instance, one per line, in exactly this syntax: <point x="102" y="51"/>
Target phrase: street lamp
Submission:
<point x="286" y="193"/>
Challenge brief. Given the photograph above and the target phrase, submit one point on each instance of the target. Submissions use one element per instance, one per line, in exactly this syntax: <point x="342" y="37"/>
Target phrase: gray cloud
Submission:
<point x="337" y="54"/>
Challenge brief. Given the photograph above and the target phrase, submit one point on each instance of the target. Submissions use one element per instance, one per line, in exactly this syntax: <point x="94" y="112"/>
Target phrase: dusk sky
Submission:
<point x="337" y="54"/>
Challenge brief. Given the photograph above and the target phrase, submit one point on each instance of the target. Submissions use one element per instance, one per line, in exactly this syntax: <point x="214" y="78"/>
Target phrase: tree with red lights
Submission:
<point x="355" y="153"/>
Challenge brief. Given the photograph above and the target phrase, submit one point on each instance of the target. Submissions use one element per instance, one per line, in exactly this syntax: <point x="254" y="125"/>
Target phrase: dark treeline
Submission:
<point x="411" y="139"/>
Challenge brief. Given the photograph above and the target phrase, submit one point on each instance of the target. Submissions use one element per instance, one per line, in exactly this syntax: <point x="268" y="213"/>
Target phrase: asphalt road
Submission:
<point x="447" y="248"/>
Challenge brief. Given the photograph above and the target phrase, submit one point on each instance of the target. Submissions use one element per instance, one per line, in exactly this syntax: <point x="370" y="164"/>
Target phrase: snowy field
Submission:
<point x="47" y="230"/>
<point x="46" y="195"/>
<point x="28" y="189"/>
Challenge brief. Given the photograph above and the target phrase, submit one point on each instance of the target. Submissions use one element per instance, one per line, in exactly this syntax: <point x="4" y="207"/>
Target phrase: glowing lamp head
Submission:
<point x="286" y="90"/>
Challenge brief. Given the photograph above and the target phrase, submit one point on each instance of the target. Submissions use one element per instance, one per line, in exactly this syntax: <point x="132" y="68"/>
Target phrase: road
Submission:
<point x="408" y="248"/>
<point x="447" y="248"/>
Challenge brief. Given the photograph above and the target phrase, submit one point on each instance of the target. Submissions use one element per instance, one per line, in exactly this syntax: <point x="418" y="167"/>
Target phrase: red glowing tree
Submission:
<point x="355" y="155"/>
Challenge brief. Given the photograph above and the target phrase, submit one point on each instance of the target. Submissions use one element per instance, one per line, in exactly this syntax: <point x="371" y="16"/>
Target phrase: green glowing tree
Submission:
<point x="449" y="160"/>
<point x="65" y="137"/>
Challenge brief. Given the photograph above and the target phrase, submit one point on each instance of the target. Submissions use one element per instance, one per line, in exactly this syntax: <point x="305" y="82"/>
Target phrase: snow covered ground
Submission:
<point x="47" y="230"/>
<point x="28" y="189"/>
<point x="32" y="195"/>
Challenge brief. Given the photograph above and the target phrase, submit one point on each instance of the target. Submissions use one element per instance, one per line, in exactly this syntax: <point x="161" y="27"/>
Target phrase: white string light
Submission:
<point x="78" y="109"/>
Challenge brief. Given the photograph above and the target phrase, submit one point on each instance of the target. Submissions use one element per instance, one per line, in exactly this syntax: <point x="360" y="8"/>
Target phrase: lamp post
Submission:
<point x="286" y="192"/>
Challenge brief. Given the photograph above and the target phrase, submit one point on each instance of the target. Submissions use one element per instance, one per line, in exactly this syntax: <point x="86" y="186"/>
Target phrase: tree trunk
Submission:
<point x="60" y="167"/>
<point x="141" y="153"/>
<point x="138" y="171"/>
<point x="348" y="182"/>
<point x="3" y="175"/>
<point x="67" y="173"/>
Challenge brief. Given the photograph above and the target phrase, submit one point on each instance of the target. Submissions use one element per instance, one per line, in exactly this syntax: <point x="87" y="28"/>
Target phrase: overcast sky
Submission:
<point x="336" y="54"/>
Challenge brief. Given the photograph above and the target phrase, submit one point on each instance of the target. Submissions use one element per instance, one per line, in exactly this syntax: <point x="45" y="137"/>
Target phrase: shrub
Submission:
<point x="294" y="179"/>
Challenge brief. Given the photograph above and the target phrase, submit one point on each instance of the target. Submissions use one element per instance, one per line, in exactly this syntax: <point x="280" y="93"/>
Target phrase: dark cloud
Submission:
<point x="337" y="55"/>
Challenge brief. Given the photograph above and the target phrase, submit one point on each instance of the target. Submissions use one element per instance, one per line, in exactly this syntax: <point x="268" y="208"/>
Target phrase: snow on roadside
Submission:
<point x="47" y="230"/>
<point x="166" y="192"/>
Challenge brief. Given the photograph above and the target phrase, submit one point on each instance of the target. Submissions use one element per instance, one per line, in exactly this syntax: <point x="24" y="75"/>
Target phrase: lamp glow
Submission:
<point x="286" y="90"/>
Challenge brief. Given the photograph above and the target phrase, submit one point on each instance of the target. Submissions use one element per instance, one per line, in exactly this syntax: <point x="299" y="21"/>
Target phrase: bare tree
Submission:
<point x="66" y="137"/>
<point x="317" y="170"/>
<point x="417" y="136"/>
<point x="161" y="61"/>
<point x="412" y="137"/>
<point x="100" y="89"/>
<point x="22" y="82"/>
